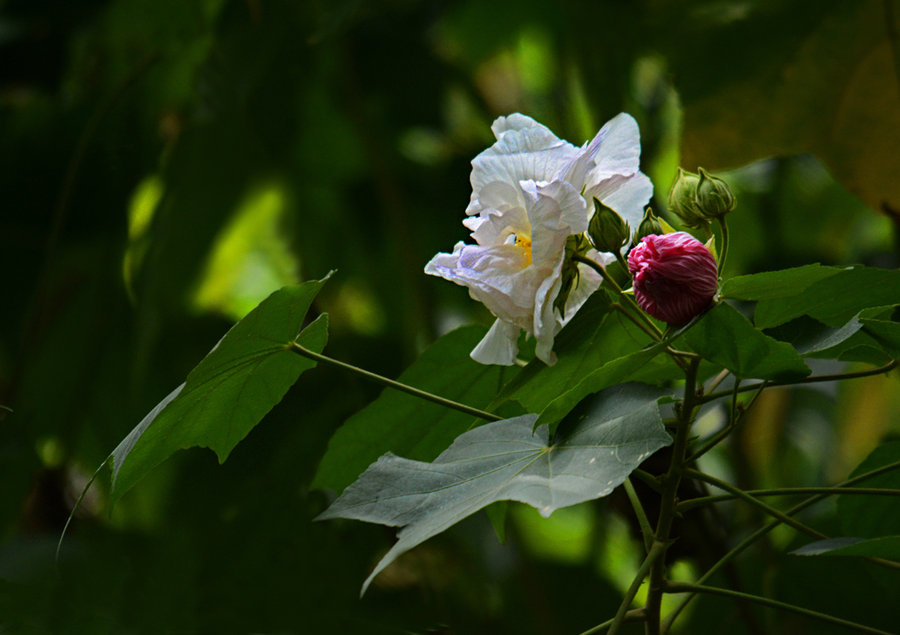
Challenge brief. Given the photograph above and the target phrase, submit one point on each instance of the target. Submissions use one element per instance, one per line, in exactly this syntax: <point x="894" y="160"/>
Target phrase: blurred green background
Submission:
<point x="166" y="164"/>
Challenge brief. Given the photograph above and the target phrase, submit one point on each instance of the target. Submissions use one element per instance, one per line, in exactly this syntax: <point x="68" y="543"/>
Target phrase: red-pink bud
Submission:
<point x="675" y="276"/>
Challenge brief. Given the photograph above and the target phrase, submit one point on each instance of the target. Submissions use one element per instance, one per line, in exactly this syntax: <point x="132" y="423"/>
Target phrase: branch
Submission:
<point x="686" y="587"/>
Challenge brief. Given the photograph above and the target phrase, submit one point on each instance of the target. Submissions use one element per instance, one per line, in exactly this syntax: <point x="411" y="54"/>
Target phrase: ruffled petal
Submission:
<point x="499" y="345"/>
<point x="524" y="150"/>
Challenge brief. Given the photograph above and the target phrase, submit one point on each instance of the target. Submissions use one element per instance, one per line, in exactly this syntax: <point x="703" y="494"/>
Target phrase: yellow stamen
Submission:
<point x="524" y="242"/>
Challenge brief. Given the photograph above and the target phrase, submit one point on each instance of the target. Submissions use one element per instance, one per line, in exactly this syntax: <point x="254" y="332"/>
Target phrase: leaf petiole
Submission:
<point x="396" y="385"/>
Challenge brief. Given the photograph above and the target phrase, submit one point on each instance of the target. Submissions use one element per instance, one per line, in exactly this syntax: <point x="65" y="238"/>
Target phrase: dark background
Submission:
<point x="168" y="163"/>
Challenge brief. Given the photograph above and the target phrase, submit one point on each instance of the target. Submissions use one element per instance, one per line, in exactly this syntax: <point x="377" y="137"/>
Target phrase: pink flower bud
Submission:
<point x="675" y="276"/>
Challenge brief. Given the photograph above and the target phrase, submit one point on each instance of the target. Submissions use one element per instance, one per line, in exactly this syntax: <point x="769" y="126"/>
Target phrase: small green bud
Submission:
<point x="607" y="230"/>
<point x="714" y="197"/>
<point x="649" y="225"/>
<point x="683" y="199"/>
<point x="576" y="245"/>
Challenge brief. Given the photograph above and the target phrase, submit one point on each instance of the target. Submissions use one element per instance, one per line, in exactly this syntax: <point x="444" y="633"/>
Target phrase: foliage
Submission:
<point x="169" y="166"/>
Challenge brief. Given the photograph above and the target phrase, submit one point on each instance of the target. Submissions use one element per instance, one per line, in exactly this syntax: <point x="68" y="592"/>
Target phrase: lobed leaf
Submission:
<point x="507" y="460"/>
<point x="243" y="377"/>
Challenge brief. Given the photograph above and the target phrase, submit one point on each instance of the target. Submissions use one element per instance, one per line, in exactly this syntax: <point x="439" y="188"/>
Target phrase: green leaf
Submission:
<point x="884" y="547"/>
<point x="398" y="422"/>
<point x="886" y="333"/>
<point x="726" y="337"/>
<point x="772" y="285"/>
<point x="876" y="516"/>
<point x="614" y="372"/>
<point x="230" y="390"/>
<point x="596" y="336"/>
<point x="833" y="300"/>
<point x="506" y="460"/>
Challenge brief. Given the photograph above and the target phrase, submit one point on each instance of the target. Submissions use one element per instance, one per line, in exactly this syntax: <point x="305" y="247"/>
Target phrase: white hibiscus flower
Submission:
<point x="530" y="192"/>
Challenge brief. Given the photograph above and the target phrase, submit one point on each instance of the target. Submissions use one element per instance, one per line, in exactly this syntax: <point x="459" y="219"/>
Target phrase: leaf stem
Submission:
<point x="788" y="491"/>
<point x="723" y="253"/>
<point x="625" y="297"/>
<point x="646" y="529"/>
<point x="687" y="587"/>
<point x="396" y="385"/>
<point x="762" y="531"/>
<point x="806" y="380"/>
<point x="741" y="494"/>
<point x="634" y="615"/>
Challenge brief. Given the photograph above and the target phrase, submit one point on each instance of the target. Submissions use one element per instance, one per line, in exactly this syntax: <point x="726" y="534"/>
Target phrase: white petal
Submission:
<point x="499" y="345"/>
<point x="627" y="195"/>
<point x="555" y="210"/>
<point x="546" y="324"/>
<point x="498" y="277"/>
<point x="524" y="150"/>
<point x="620" y="147"/>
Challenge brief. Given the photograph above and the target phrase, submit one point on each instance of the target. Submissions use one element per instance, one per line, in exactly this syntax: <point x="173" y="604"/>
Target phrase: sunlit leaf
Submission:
<point x="726" y="337"/>
<point x="507" y="460"/>
<point x="230" y="390"/>
<point x="398" y="422"/>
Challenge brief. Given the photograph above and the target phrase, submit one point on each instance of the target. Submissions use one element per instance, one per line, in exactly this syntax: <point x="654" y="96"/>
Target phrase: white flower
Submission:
<point x="530" y="192"/>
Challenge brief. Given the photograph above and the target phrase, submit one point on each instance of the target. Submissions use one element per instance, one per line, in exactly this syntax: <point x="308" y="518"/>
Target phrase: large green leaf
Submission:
<point x="230" y="390"/>
<point x="884" y="547"/>
<point x="726" y="337"/>
<point x="772" y="285"/>
<point x="886" y="333"/>
<point x="835" y="299"/>
<point x="507" y="460"/>
<point x="876" y="516"/>
<point x="419" y="429"/>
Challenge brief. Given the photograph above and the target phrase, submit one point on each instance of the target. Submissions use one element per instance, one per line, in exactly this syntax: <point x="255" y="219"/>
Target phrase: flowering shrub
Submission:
<point x="675" y="276"/>
<point x="530" y="192"/>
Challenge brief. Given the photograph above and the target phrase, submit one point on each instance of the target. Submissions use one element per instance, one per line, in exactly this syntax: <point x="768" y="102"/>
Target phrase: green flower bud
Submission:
<point x="607" y="230"/>
<point x="683" y="199"/>
<point x="576" y="245"/>
<point x="649" y="225"/>
<point x="714" y="197"/>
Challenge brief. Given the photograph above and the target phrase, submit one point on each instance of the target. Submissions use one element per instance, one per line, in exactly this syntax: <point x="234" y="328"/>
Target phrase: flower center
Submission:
<point x="524" y="242"/>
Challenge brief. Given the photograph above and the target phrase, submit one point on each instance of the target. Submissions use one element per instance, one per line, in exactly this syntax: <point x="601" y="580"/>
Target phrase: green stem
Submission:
<point x="7" y="408"/>
<point x="686" y="587"/>
<point x="762" y="531"/>
<point x="396" y="385"/>
<point x="739" y="493"/>
<point x="646" y="529"/>
<point x="75" y="507"/>
<point x="723" y="253"/>
<point x="788" y="491"/>
<point x="670" y="495"/>
<point x="806" y="380"/>
<point x="625" y="297"/>
<point x="634" y="615"/>
<point x="657" y="550"/>
<point x="728" y="429"/>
